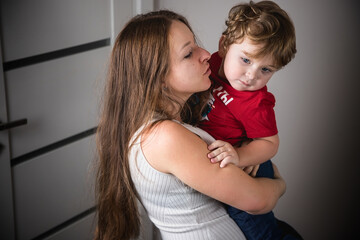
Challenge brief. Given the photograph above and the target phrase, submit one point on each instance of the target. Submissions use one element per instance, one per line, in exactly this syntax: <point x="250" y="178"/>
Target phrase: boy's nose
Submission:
<point x="250" y="76"/>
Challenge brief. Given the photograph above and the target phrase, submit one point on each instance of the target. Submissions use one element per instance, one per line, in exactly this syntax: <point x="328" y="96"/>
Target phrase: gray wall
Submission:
<point x="316" y="110"/>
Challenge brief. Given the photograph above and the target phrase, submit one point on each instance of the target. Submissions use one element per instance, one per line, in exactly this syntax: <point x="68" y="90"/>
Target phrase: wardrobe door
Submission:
<point x="54" y="59"/>
<point x="54" y="188"/>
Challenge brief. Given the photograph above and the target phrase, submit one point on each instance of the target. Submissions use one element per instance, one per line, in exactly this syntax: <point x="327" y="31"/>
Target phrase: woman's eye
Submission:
<point x="245" y="60"/>
<point x="189" y="55"/>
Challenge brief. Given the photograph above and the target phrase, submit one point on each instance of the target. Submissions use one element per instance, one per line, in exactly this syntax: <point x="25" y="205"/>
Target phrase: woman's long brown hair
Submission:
<point x="134" y="95"/>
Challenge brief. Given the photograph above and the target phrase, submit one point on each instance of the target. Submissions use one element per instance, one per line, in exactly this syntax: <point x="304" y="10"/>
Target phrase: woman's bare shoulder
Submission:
<point x="164" y="132"/>
<point x="164" y="143"/>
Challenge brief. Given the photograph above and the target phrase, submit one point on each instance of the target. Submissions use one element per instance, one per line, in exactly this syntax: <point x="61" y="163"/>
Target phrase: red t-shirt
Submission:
<point x="236" y="115"/>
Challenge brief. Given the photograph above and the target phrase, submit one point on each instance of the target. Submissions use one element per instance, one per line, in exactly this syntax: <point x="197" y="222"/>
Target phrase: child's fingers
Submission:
<point x="217" y="156"/>
<point x="216" y="144"/>
<point x="214" y="153"/>
<point x="219" y="147"/>
<point x="225" y="161"/>
<point x="220" y="153"/>
<point x="223" y="152"/>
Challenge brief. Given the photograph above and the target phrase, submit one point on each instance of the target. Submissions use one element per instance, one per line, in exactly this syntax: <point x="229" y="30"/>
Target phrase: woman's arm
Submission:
<point x="171" y="148"/>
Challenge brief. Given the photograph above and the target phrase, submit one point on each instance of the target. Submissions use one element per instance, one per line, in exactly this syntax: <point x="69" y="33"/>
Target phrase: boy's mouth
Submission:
<point x="244" y="83"/>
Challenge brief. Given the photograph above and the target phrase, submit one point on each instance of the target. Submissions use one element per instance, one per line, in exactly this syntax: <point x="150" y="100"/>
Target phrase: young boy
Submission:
<point x="259" y="40"/>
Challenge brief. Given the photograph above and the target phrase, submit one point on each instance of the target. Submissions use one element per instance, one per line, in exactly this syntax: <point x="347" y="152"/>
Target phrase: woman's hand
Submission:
<point x="251" y="170"/>
<point x="277" y="176"/>
<point x="224" y="153"/>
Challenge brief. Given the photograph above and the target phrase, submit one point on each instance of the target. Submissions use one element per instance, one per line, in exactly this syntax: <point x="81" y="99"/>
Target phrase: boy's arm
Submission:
<point x="256" y="152"/>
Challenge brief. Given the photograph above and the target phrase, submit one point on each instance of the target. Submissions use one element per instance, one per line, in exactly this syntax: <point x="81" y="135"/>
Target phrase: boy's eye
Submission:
<point x="245" y="60"/>
<point x="266" y="70"/>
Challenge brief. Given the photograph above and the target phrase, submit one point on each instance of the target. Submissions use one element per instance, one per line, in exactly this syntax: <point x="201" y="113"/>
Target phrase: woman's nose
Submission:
<point x="205" y="56"/>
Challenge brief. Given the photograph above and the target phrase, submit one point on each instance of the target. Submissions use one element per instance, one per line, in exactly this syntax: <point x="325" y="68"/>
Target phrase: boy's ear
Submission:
<point x="222" y="51"/>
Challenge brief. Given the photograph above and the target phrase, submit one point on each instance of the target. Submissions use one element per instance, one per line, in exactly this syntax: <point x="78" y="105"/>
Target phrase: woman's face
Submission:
<point x="189" y="67"/>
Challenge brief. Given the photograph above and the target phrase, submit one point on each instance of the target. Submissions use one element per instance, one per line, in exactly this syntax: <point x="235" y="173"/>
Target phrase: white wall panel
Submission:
<point x="80" y="230"/>
<point x="53" y="188"/>
<point x="59" y="98"/>
<point x="39" y="26"/>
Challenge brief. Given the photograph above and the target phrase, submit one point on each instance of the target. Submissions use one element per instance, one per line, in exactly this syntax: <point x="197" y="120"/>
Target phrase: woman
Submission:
<point x="147" y="152"/>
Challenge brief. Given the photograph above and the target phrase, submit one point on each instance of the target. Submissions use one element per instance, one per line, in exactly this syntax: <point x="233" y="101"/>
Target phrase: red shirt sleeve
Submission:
<point x="258" y="116"/>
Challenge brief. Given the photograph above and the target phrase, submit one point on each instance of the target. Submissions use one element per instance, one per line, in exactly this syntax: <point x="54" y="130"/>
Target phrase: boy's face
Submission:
<point x="243" y="72"/>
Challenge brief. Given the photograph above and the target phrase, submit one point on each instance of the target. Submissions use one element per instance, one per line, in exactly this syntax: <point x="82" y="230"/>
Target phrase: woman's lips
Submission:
<point x="208" y="71"/>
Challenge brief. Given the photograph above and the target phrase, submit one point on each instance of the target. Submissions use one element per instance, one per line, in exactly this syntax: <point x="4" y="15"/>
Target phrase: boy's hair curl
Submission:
<point x="262" y="23"/>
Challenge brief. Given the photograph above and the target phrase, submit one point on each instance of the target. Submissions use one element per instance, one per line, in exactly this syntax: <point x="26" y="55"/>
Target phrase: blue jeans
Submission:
<point x="264" y="226"/>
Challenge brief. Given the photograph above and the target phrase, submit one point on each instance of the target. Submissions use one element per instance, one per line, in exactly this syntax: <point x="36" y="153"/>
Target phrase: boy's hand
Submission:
<point x="223" y="152"/>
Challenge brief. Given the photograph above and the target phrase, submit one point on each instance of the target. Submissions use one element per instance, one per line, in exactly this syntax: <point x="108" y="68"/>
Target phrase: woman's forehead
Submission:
<point x="180" y="35"/>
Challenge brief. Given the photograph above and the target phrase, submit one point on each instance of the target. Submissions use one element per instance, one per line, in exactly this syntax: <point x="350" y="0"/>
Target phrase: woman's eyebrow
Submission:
<point x="185" y="45"/>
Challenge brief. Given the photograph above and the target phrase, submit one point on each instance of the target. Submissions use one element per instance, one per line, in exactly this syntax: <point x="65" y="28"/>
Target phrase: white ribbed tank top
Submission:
<point x="177" y="210"/>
